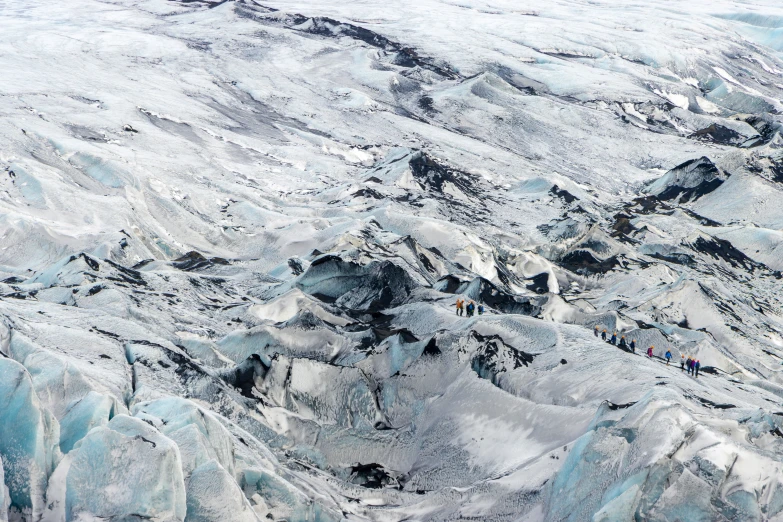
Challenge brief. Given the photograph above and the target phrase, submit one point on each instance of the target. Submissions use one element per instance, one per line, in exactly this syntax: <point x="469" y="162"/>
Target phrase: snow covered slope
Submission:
<point x="232" y="234"/>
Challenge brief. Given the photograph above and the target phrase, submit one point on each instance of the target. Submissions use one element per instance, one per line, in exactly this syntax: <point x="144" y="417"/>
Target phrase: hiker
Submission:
<point x="633" y="346"/>
<point x="696" y="367"/>
<point x="460" y="304"/>
<point x="682" y="362"/>
<point x="596" y="331"/>
<point x="614" y="338"/>
<point x="470" y="308"/>
<point x="603" y="335"/>
<point x="623" y="344"/>
<point x="690" y="365"/>
<point x="650" y="351"/>
<point x="481" y="309"/>
<point x="668" y="357"/>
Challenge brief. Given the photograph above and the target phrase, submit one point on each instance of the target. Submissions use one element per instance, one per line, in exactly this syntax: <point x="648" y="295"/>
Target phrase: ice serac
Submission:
<point x="277" y="498"/>
<point x="214" y="495"/>
<point x="198" y="434"/>
<point x="664" y="464"/>
<point x="29" y="441"/>
<point x="5" y="337"/>
<point x="688" y="181"/>
<point x="126" y="470"/>
<point x="301" y="385"/>
<point x="378" y="285"/>
<point x="64" y="390"/>
<point x="5" y="500"/>
<point x="83" y="415"/>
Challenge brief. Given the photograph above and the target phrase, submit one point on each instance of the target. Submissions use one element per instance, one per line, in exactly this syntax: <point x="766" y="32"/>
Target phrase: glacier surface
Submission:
<point x="233" y="232"/>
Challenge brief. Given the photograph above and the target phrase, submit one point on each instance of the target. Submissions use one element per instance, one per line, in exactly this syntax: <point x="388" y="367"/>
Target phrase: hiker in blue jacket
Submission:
<point x="633" y="346"/>
<point x="614" y="338"/>
<point x="696" y="366"/>
<point x="668" y="357"/>
<point x="481" y="309"/>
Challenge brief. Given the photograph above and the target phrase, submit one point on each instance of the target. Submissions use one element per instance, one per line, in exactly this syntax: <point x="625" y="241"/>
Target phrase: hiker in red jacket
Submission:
<point x="649" y="351"/>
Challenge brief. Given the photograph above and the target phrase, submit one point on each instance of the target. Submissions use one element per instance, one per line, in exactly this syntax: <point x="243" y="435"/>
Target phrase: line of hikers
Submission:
<point x="691" y="364"/>
<point x="468" y="309"/>
<point x="613" y="339"/>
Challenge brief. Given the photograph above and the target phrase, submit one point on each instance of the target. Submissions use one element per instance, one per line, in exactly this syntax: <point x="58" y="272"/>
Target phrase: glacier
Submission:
<point x="233" y="232"/>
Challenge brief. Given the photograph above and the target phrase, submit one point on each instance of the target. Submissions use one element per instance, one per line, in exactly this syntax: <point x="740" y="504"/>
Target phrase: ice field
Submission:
<point x="232" y="235"/>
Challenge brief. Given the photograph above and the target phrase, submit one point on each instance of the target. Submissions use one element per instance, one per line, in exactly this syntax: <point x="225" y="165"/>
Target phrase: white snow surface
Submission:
<point x="232" y="235"/>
